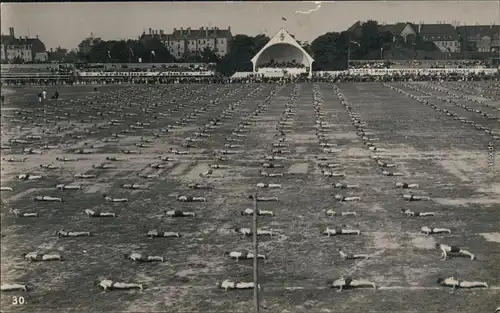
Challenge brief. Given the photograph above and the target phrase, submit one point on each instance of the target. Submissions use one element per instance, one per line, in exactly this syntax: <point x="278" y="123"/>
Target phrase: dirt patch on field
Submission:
<point x="423" y="242"/>
<point x="465" y="201"/>
<point x="464" y="164"/>
<point x="383" y="240"/>
<point x="49" y="246"/>
<point x="190" y="272"/>
<point x="493" y="188"/>
<point x="298" y="168"/>
<point x="349" y="136"/>
<point x="179" y="169"/>
<point x="301" y="149"/>
<point x="355" y="152"/>
<point x="98" y="188"/>
<point x="303" y="138"/>
<point x="491" y="237"/>
<point x="456" y="168"/>
<point x="194" y="174"/>
<point x="376" y="208"/>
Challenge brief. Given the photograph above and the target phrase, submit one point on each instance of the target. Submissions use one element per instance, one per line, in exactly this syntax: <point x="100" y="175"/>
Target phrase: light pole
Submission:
<point x="348" y="53"/>
<point x="255" y="257"/>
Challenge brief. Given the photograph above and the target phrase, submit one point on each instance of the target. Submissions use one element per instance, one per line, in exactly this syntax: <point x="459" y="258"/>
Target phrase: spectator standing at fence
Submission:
<point x="44" y="94"/>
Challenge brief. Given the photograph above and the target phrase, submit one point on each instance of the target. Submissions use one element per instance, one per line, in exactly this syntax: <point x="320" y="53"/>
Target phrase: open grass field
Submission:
<point x="446" y="157"/>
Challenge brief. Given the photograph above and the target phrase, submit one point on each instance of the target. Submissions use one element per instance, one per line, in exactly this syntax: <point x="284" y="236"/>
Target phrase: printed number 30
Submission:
<point x="18" y="300"/>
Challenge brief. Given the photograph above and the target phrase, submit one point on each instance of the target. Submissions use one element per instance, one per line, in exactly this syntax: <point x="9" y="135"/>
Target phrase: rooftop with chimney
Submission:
<point x="10" y="40"/>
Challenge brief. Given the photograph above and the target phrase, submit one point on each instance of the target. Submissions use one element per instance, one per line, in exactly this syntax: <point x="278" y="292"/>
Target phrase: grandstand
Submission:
<point x="146" y="67"/>
<point x="109" y="71"/>
<point x="36" y="71"/>
<point x="422" y="64"/>
<point x="138" y="72"/>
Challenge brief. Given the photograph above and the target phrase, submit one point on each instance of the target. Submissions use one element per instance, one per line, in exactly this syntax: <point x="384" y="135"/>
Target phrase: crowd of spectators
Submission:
<point x="57" y="69"/>
<point x="258" y="78"/>
<point x="370" y="64"/>
<point x="114" y="73"/>
<point x="37" y="82"/>
<point x="463" y="64"/>
<point x="409" y="77"/>
<point x="347" y="77"/>
<point x="291" y="64"/>
<point x="378" y="64"/>
<point x="177" y="67"/>
<point x="111" y="81"/>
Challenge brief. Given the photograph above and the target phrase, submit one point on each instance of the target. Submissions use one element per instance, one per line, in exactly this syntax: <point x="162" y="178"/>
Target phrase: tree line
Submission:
<point x="330" y="51"/>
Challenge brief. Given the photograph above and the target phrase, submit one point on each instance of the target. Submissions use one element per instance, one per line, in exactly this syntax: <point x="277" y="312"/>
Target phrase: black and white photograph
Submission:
<point x="250" y="156"/>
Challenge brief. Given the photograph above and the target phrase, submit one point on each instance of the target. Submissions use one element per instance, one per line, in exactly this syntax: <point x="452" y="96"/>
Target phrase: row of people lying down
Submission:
<point x="94" y="213"/>
<point x="340" y="284"/>
<point x="133" y="186"/>
<point x="247" y="212"/>
<point x="247" y="255"/>
<point x="108" y="198"/>
<point x="237" y="255"/>
<point x="245" y="231"/>
<point x="407" y="197"/>
<point x="425" y="229"/>
<point x="469" y="98"/>
<point x="448" y="112"/>
<point x="151" y="234"/>
<point x="345" y="230"/>
<point x="461" y="105"/>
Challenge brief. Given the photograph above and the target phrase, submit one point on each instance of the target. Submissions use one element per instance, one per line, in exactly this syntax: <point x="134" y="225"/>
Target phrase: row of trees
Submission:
<point x="331" y="51"/>
<point x="125" y="51"/>
<point x="131" y="51"/>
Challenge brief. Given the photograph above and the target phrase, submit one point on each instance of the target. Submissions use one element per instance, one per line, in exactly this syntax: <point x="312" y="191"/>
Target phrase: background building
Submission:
<point x="185" y="41"/>
<point x="480" y="38"/>
<point x="86" y="45"/>
<point x="444" y="36"/>
<point x="22" y="49"/>
<point x="182" y="42"/>
<point x="407" y="31"/>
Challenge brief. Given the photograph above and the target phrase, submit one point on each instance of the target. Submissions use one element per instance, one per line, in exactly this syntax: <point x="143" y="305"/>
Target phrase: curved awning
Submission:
<point x="283" y="39"/>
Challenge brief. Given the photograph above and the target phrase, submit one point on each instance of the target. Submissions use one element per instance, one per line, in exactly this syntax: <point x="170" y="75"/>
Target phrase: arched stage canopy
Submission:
<point x="282" y="48"/>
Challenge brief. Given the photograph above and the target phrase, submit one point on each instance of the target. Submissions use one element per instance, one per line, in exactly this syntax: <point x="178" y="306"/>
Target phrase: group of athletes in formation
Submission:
<point x="236" y="141"/>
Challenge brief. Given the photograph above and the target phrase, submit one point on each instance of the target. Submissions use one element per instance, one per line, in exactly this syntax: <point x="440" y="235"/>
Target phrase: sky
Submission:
<point x="66" y="24"/>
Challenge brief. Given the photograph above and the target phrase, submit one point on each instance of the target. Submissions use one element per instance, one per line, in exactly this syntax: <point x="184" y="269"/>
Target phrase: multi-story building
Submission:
<point x="183" y="42"/>
<point x="86" y="45"/>
<point x="444" y="36"/>
<point x="407" y="31"/>
<point x="153" y="34"/>
<point x="22" y="49"/>
<point x="3" y="42"/>
<point x="188" y="41"/>
<point x="481" y="38"/>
